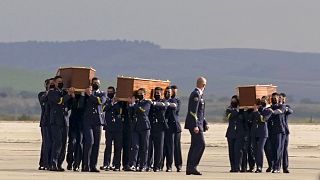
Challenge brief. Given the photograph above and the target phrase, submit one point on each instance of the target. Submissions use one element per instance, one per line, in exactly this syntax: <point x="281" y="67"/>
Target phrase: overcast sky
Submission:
<point x="270" y="24"/>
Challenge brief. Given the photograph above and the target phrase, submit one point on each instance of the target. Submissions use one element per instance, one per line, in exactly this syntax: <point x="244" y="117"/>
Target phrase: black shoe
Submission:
<point x="193" y="172"/>
<point x="243" y="170"/>
<point x="69" y="167"/>
<point x="132" y="168"/>
<point x="179" y="170"/>
<point x="105" y="168"/>
<point x="169" y="170"/>
<point x="85" y="170"/>
<point x="275" y="171"/>
<point x="41" y="168"/>
<point x="60" y="169"/>
<point x="250" y="170"/>
<point x="234" y="171"/>
<point x="116" y="169"/>
<point x="156" y="170"/>
<point x="76" y="169"/>
<point x="286" y="171"/>
<point x="258" y="170"/>
<point x="269" y="169"/>
<point x="143" y="170"/>
<point x="94" y="170"/>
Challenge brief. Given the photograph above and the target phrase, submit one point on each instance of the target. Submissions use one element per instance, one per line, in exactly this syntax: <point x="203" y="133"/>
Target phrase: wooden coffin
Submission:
<point x="248" y="95"/>
<point x="126" y="86"/>
<point x="77" y="77"/>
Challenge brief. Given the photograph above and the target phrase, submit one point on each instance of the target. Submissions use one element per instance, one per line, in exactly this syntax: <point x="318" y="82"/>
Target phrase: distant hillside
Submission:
<point x="295" y="73"/>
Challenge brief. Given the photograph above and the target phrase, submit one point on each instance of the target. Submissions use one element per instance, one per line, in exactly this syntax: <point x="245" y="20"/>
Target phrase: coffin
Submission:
<point x="77" y="77"/>
<point x="126" y="86"/>
<point x="248" y="95"/>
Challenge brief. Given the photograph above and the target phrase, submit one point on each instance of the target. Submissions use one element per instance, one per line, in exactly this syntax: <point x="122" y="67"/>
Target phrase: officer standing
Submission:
<point x="248" y="156"/>
<point x="158" y="127"/>
<point x="141" y="131"/>
<point x="44" y="158"/>
<point x="288" y="111"/>
<point x="93" y="119"/>
<point x="59" y="105"/>
<point x="196" y="124"/>
<point x="277" y="131"/>
<point x="235" y="133"/>
<point x="113" y="131"/>
<point x="259" y="131"/>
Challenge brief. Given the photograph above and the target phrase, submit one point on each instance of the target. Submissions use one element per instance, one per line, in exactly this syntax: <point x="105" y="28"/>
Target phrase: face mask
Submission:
<point x="60" y="85"/>
<point x="156" y="96"/>
<point x="274" y="101"/>
<point x="234" y="104"/>
<point x="110" y="95"/>
<point x="263" y="104"/>
<point x="167" y="95"/>
<point x="95" y="87"/>
<point x="173" y="96"/>
<point x="140" y="97"/>
<point x="52" y="86"/>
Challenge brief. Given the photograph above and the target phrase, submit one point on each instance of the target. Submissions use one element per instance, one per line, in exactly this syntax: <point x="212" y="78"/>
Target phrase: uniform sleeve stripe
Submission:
<point x="228" y="116"/>
<point x="61" y="101"/>
<point x="194" y="115"/>
<point x="99" y="100"/>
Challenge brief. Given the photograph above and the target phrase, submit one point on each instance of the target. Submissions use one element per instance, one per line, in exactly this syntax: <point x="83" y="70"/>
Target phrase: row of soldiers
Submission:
<point x="263" y="128"/>
<point x="145" y="134"/>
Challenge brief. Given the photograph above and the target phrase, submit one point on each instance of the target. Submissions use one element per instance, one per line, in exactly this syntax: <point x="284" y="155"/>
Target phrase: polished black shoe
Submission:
<point x="76" y="169"/>
<point x="60" y="169"/>
<point x="234" y="171"/>
<point x="85" y="170"/>
<point x="156" y="170"/>
<point x="275" y="171"/>
<point x="116" y="169"/>
<point x="250" y="170"/>
<point x="193" y="173"/>
<point x="269" y="169"/>
<point x="243" y="170"/>
<point x="179" y="170"/>
<point x="41" y="168"/>
<point x="132" y="168"/>
<point x="286" y="171"/>
<point x="143" y="170"/>
<point x="258" y="170"/>
<point x="69" y="167"/>
<point x="169" y="170"/>
<point x="94" y="170"/>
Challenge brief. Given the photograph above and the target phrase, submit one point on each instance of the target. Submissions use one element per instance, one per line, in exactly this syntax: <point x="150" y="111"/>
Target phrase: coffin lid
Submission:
<point x="262" y="85"/>
<point x="76" y="67"/>
<point x="143" y="79"/>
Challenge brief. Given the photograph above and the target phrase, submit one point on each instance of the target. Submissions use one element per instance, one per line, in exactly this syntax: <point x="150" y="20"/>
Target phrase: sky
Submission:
<point x="291" y="25"/>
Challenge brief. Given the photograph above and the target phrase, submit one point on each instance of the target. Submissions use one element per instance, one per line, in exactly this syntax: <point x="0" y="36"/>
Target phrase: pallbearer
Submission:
<point x="113" y="131"/>
<point x="288" y="111"/>
<point x="93" y="119"/>
<point x="235" y="133"/>
<point x="59" y="103"/>
<point x="259" y="131"/>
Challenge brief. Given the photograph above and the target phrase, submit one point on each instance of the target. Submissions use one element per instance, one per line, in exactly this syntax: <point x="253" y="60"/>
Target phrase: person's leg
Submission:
<point x="177" y="151"/>
<point x="88" y="143"/>
<point x="95" y="148"/>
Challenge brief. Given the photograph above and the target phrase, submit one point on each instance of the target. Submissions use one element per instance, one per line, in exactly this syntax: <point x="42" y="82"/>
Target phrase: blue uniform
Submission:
<point x="113" y="132"/>
<point x="285" y="159"/>
<point x="172" y="140"/>
<point x="277" y="131"/>
<point x="195" y="118"/>
<point x="75" y="141"/>
<point x="248" y="156"/>
<point x="141" y="133"/>
<point x="45" y="132"/>
<point x="259" y="134"/>
<point x="59" y="106"/>
<point x="93" y="118"/>
<point x="158" y="127"/>
<point x="235" y="136"/>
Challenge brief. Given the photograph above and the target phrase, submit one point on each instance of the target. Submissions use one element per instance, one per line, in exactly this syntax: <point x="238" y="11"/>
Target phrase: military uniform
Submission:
<point x="248" y="155"/>
<point x="59" y="106"/>
<point x="113" y="133"/>
<point x="259" y="134"/>
<point x="75" y="140"/>
<point x="235" y="136"/>
<point x="44" y="161"/>
<point x="195" y="118"/>
<point x="173" y="135"/>
<point x="141" y="134"/>
<point x="93" y="118"/>
<point x="277" y="131"/>
<point x="158" y="127"/>
<point x="285" y="159"/>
